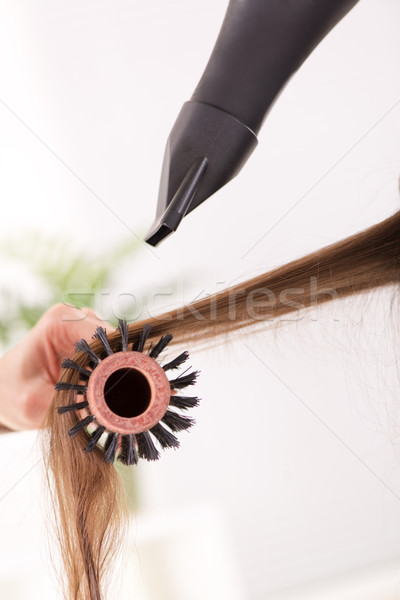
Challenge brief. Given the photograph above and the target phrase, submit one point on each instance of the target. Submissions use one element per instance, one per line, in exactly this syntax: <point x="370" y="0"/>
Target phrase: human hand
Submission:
<point x="30" y="370"/>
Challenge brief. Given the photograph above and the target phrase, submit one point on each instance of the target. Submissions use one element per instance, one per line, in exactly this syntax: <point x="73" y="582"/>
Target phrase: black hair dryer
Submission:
<point x="260" y="45"/>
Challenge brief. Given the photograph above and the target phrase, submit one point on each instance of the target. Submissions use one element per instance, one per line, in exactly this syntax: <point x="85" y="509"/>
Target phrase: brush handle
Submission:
<point x="260" y="45"/>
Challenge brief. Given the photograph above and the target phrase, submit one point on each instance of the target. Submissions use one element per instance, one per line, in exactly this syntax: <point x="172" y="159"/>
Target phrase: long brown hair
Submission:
<point x="88" y="500"/>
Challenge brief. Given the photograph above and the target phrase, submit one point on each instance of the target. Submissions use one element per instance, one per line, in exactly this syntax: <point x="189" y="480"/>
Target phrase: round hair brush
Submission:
<point x="126" y="395"/>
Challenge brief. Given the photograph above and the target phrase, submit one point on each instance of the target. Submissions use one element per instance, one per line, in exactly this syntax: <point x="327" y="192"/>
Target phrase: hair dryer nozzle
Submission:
<point x="206" y="148"/>
<point x="176" y="210"/>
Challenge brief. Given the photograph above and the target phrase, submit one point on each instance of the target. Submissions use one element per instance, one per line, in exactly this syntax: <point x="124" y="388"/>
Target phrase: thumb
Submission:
<point x="58" y="330"/>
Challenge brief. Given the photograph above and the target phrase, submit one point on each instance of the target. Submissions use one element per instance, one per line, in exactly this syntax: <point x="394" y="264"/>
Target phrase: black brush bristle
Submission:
<point x="76" y="406"/>
<point x="146" y="447"/>
<point x="177" y="422"/>
<point x="160" y="346"/>
<point x="139" y="344"/>
<point x="94" y="438"/>
<point x="67" y="363"/>
<point x="165" y="437"/>
<point x="124" y="331"/>
<point x="75" y="387"/>
<point x="177" y="362"/>
<point x="80" y="425"/>
<point x="101" y="335"/>
<point x="184" y="402"/>
<point x="110" y="447"/>
<point x="184" y="380"/>
<point x="128" y="455"/>
<point x="83" y="346"/>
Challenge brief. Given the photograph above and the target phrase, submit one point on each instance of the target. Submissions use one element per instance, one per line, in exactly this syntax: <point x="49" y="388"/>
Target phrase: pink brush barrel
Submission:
<point x="128" y="392"/>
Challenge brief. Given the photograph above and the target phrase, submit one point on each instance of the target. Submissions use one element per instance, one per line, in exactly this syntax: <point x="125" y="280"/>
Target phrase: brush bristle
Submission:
<point x="94" y="438"/>
<point x="67" y="363"/>
<point x="177" y="362"/>
<point x="75" y="387"/>
<point x="146" y="447"/>
<point x="184" y="380"/>
<point x="110" y="447"/>
<point x="83" y="346"/>
<point x="124" y="331"/>
<point x="128" y="455"/>
<point x="177" y="422"/>
<point x="101" y="335"/>
<point x="160" y="346"/>
<point x="139" y="344"/>
<point x="80" y="425"/>
<point x="75" y="406"/>
<point x="164" y="437"/>
<point x="184" y="402"/>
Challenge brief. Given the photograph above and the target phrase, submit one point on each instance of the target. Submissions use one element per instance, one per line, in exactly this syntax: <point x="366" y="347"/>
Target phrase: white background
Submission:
<point x="293" y="462"/>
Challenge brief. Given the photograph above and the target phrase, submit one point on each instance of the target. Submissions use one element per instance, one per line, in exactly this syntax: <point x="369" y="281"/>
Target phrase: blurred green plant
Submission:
<point x="53" y="267"/>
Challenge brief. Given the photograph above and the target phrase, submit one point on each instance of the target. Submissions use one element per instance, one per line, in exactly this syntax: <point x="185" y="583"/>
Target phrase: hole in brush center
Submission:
<point x="127" y="393"/>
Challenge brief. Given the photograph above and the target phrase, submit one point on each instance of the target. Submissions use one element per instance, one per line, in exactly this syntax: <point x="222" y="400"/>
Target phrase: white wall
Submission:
<point x="310" y="487"/>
